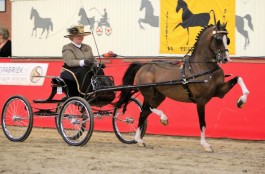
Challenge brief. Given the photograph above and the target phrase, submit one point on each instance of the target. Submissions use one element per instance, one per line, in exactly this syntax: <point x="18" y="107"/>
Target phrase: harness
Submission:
<point x="185" y="80"/>
<point x="217" y="58"/>
<point x="218" y="53"/>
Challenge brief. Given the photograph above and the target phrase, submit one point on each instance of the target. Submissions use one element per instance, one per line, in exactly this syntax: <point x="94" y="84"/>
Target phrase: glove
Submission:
<point x="88" y="62"/>
<point x="101" y="65"/>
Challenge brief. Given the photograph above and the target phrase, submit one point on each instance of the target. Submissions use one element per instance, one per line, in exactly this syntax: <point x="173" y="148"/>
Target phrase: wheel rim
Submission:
<point x="16" y="119"/>
<point x="126" y="124"/>
<point x="76" y="122"/>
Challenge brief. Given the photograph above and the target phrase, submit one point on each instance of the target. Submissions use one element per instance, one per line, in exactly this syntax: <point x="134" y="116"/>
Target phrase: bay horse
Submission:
<point x="210" y="49"/>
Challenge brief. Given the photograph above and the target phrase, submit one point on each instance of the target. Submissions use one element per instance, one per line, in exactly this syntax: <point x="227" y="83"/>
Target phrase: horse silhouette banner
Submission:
<point x="181" y="21"/>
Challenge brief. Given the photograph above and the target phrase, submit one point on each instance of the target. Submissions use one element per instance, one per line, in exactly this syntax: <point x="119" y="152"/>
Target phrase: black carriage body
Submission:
<point x="101" y="98"/>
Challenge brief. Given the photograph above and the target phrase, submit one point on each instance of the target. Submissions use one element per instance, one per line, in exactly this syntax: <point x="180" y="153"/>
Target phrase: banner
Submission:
<point x="181" y="21"/>
<point x="26" y="74"/>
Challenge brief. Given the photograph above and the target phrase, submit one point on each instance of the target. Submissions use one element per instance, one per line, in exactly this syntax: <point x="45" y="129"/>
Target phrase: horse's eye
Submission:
<point x="219" y="41"/>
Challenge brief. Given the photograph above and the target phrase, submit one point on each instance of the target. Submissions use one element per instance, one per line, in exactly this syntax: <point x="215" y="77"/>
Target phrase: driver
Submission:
<point x="79" y="62"/>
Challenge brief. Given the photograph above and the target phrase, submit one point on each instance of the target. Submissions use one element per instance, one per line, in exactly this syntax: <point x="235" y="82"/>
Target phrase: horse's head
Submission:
<point x="219" y="43"/>
<point x="212" y="43"/>
<point x="33" y="13"/>
<point x="144" y="4"/>
<point x="81" y="12"/>
<point x="181" y="4"/>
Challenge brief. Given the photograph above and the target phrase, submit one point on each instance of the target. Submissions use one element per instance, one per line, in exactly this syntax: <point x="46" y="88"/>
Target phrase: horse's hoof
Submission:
<point x="208" y="149"/>
<point x="164" y="122"/>
<point x="141" y="145"/>
<point x="239" y="103"/>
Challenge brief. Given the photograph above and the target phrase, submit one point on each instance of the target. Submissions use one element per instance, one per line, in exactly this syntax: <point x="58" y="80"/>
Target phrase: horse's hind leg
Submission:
<point x="157" y="100"/>
<point x="42" y="33"/>
<point x="152" y="99"/>
<point x="143" y="116"/>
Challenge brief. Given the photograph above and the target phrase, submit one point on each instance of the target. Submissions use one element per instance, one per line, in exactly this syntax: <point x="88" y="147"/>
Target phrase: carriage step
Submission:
<point x="46" y="101"/>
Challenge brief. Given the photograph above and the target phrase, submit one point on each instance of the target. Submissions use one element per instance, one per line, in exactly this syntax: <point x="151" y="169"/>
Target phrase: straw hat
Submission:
<point x="76" y="30"/>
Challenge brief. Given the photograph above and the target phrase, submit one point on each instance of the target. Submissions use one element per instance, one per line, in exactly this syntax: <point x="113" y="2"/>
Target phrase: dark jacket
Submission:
<point x="6" y="50"/>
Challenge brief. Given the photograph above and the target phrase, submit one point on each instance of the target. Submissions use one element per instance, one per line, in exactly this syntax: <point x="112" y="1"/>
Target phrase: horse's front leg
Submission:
<point x="243" y="99"/>
<point x="188" y="36"/>
<point x="227" y="86"/>
<point x="140" y="23"/>
<point x="34" y="29"/>
<point x="201" y="113"/>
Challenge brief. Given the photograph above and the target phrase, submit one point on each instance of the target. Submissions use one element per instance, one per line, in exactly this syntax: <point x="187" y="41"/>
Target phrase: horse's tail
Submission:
<point x="128" y="79"/>
<point x="249" y="19"/>
<point x="214" y="17"/>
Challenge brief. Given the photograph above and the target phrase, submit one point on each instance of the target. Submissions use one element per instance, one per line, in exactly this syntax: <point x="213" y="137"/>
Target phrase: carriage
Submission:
<point x="74" y="115"/>
<point x="197" y="79"/>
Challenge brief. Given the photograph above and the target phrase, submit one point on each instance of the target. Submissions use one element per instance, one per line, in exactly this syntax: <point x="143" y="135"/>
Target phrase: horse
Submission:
<point x="85" y="20"/>
<point x="44" y="23"/>
<point x="149" y="17"/>
<point x="240" y="27"/>
<point x="199" y="78"/>
<point x="191" y="20"/>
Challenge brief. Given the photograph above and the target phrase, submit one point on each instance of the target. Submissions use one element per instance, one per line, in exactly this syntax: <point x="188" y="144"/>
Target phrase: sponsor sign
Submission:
<point x="26" y="74"/>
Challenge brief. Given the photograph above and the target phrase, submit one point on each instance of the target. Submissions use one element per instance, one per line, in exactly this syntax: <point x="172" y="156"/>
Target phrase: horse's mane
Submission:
<point x="221" y="27"/>
<point x="193" y="49"/>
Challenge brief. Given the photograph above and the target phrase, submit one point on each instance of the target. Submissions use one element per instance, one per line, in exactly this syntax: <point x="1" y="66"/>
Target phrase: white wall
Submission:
<point x="255" y="48"/>
<point x="126" y="39"/>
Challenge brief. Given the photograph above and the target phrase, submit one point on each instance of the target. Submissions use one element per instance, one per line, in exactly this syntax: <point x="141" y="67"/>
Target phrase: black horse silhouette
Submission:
<point x="85" y="20"/>
<point x="149" y="18"/>
<point x="240" y="27"/>
<point x="44" y="23"/>
<point x="191" y="20"/>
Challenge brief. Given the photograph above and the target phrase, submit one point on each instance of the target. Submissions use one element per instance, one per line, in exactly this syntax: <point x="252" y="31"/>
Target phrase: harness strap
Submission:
<point x="185" y="83"/>
<point x="185" y="79"/>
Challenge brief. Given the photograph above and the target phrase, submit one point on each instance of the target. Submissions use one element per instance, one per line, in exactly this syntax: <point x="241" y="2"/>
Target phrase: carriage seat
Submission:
<point x="58" y="82"/>
<point x="58" y="87"/>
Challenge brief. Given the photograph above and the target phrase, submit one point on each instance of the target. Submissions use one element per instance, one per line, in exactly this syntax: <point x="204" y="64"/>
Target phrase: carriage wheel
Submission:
<point x="108" y="31"/>
<point x="126" y="124"/>
<point x="17" y="118"/>
<point x="99" y="31"/>
<point x="76" y="121"/>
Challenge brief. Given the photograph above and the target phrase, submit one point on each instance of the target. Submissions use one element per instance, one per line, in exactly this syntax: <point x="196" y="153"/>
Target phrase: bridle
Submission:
<point x="217" y="54"/>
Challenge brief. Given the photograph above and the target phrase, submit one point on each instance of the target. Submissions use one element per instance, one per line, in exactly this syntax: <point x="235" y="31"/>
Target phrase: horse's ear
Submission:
<point x="218" y="25"/>
<point x="225" y="24"/>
